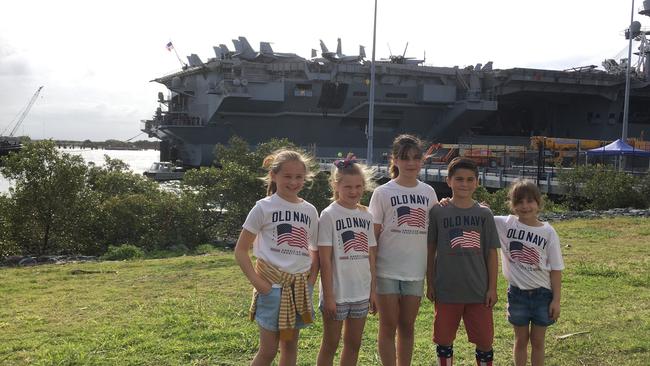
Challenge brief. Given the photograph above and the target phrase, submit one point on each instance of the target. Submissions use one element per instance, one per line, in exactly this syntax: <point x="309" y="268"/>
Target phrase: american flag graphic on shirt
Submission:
<point x="357" y="241"/>
<point x="464" y="239"/>
<point x="522" y="253"/>
<point x="294" y="236"/>
<point x="415" y="217"/>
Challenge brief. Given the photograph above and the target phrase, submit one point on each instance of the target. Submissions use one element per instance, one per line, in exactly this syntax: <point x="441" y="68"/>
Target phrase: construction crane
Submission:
<point x="24" y="113"/>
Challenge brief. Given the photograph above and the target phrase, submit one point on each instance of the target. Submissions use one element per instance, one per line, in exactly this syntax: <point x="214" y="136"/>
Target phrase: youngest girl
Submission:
<point x="532" y="263"/>
<point x="347" y="246"/>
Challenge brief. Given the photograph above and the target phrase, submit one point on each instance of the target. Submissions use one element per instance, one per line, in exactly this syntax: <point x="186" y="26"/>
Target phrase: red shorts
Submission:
<point x="476" y="317"/>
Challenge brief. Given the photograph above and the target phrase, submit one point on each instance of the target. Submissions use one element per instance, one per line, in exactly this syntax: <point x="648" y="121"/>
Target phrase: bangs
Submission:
<point x="525" y="191"/>
<point x="407" y="149"/>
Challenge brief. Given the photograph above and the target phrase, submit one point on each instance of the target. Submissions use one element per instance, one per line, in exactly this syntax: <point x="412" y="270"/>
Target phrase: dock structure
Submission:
<point x="492" y="178"/>
<point x="495" y="178"/>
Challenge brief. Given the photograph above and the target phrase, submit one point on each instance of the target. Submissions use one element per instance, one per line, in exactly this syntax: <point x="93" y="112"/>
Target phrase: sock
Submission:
<point x="484" y="358"/>
<point x="445" y="355"/>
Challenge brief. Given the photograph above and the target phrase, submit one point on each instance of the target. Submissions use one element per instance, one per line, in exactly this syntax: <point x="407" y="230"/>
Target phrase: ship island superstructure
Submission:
<point x="322" y="103"/>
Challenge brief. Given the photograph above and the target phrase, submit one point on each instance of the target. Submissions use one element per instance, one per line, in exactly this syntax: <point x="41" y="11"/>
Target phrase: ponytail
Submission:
<point x="350" y="166"/>
<point x="273" y="163"/>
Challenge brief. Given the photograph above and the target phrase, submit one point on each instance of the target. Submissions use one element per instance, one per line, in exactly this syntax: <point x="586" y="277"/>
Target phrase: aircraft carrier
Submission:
<point x="322" y="103"/>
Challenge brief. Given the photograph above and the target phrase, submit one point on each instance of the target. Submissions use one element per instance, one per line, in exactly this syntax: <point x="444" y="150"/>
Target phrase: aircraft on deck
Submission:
<point x="244" y="51"/>
<point x="267" y="51"/>
<point x="402" y="59"/>
<point x="338" y="56"/>
<point x="222" y="52"/>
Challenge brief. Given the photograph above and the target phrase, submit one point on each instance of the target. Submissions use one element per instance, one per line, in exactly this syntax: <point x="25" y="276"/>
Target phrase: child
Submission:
<point x="462" y="266"/>
<point x="532" y="264"/>
<point x="282" y="228"/>
<point x="400" y="212"/>
<point x="347" y="249"/>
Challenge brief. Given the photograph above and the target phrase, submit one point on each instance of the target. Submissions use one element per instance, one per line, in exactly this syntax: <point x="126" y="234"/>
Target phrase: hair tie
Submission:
<point x="344" y="163"/>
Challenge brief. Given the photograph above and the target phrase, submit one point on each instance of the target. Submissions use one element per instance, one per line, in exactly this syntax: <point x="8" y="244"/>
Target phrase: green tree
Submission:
<point x="318" y="191"/>
<point x="226" y="194"/>
<point x="51" y="209"/>
<point x="114" y="178"/>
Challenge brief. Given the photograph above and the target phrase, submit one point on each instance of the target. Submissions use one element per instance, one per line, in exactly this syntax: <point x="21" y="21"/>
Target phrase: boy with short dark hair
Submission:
<point x="462" y="266"/>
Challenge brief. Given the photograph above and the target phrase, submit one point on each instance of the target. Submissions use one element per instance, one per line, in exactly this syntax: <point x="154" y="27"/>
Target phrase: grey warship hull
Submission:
<point x="323" y="106"/>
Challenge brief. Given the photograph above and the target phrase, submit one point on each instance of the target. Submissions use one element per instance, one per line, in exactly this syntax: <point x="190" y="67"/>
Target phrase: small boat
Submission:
<point x="163" y="171"/>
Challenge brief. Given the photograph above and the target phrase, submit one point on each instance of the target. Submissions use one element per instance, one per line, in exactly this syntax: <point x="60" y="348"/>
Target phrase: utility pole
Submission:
<point x="626" y="106"/>
<point x="371" y="104"/>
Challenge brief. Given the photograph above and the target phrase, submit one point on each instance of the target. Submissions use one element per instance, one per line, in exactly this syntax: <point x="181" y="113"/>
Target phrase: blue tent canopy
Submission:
<point x="616" y="148"/>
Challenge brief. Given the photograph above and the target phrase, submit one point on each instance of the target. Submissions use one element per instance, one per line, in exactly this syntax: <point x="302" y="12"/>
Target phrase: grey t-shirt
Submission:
<point x="463" y="237"/>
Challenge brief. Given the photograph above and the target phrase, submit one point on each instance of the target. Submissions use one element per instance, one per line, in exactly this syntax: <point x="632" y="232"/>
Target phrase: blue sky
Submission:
<point x="96" y="59"/>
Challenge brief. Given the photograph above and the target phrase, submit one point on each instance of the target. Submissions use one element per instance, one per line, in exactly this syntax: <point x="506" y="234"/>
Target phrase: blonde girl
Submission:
<point x="400" y="209"/>
<point x="282" y="230"/>
<point x="347" y="250"/>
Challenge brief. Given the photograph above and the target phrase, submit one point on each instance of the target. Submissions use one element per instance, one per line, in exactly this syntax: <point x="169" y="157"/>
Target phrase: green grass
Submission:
<point x="193" y="310"/>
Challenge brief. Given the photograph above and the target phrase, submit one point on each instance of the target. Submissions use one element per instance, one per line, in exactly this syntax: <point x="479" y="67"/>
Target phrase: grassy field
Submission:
<point x="193" y="310"/>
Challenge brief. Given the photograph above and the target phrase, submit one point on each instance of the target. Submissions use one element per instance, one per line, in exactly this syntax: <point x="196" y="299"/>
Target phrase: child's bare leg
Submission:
<point x="520" y="348"/>
<point x="331" y="337"/>
<point x="537" y="335"/>
<point x="352" y="341"/>
<point x="289" y="350"/>
<point x="408" y="311"/>
<point x="388" y="319"/>
<point x="268" y="348"/>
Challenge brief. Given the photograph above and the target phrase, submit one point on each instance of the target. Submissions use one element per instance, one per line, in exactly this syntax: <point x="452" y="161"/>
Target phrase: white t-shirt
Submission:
<point x="350" y="234"/>
<point x="404" y="214"/>
<point x="285" y="232"/>
<point x="528" y="253"/>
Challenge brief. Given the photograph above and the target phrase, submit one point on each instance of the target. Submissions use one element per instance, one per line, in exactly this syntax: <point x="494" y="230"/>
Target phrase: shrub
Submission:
<point x="611" y="189"/>
<point x="497" y="201"/>
<point x="204" y="249"/>
<point x="551" y="206"/>
<point x="645" y="189"/>
<point x="123" y="252"/>
<point x="573" y="182"/>
<point x="7" y="245"/>
<point x="151" y="221"/>
<point x="596" y="187"/>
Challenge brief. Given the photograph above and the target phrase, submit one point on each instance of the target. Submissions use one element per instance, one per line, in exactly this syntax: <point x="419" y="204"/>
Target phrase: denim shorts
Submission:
<point x="268" y="310"/>
<point x="350" y="310"/>
<point x="389" y="286"/>
<point x="529" y="306"/>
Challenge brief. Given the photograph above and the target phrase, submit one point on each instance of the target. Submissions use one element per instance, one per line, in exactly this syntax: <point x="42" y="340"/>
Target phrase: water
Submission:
<point x="138" y="160"/>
